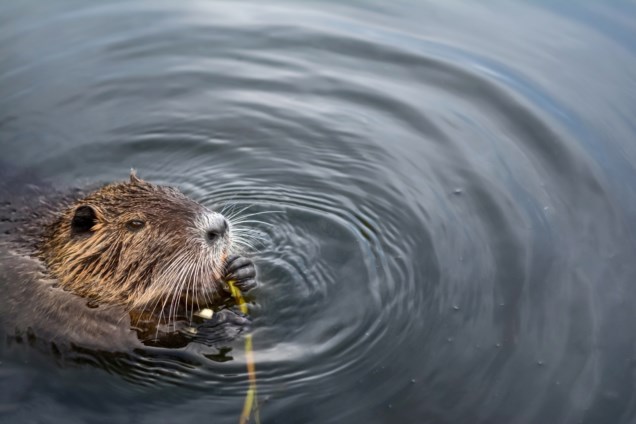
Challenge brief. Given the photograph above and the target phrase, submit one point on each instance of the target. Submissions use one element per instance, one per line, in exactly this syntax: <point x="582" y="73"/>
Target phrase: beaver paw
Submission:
<point x="241" y="270"/>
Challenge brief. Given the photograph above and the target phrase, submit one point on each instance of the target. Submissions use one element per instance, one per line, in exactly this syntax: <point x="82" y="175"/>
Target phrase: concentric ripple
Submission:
<point x="442" y="194"/>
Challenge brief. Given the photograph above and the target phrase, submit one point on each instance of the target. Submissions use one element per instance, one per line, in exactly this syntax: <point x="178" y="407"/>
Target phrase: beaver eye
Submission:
<point x="135" y="225"/>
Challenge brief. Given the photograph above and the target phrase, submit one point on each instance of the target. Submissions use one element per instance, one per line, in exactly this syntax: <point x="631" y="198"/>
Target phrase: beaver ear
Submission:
<point x="134" y="179"/>
<point x="83" y="220"/>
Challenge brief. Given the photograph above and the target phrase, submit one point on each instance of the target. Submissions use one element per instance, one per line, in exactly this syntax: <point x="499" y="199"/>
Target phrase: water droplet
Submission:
<point x="456" y="307"/>
<point x="457" y="191"/>
<point x="498" y="345"/>
<point x="412" y="380"/>
<point x="540" y="363"/>
<point x="449" y="340"/>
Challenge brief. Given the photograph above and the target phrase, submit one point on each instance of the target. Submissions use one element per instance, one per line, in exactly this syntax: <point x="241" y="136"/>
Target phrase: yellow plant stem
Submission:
<point x="250" y="398"/>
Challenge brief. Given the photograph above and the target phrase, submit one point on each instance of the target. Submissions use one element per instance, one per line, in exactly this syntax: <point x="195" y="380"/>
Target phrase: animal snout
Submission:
<point x="216" y="229"/>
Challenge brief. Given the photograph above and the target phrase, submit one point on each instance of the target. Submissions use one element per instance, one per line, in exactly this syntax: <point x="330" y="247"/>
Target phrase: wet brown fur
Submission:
<point x="146" y="269"/>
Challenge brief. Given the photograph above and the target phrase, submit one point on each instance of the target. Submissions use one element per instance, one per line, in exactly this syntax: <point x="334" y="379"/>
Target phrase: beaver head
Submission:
<point x="138" y="244"/>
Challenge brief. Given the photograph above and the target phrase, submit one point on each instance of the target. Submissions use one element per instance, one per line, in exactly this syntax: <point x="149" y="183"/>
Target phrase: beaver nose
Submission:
<point x="216" y="230"/>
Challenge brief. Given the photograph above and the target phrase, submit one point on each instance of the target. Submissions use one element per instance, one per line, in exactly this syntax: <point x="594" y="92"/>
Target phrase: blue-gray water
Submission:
<point x="453" y="186"/>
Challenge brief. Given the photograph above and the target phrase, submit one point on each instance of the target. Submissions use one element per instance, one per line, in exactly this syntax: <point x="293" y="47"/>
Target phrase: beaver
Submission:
<point x="85" y="269"/>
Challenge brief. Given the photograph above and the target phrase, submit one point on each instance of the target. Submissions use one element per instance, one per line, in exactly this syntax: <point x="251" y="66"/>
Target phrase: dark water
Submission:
<point x="453" y="186"/>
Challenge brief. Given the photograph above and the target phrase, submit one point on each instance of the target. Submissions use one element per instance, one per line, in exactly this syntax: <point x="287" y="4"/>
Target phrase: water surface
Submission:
<point x="452" y="187"/>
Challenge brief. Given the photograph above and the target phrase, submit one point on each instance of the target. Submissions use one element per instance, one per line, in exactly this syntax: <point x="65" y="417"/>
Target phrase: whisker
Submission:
<point x="253" y="234"/>
<point x="260" y="213"/>
<point x="252" y="221"/>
